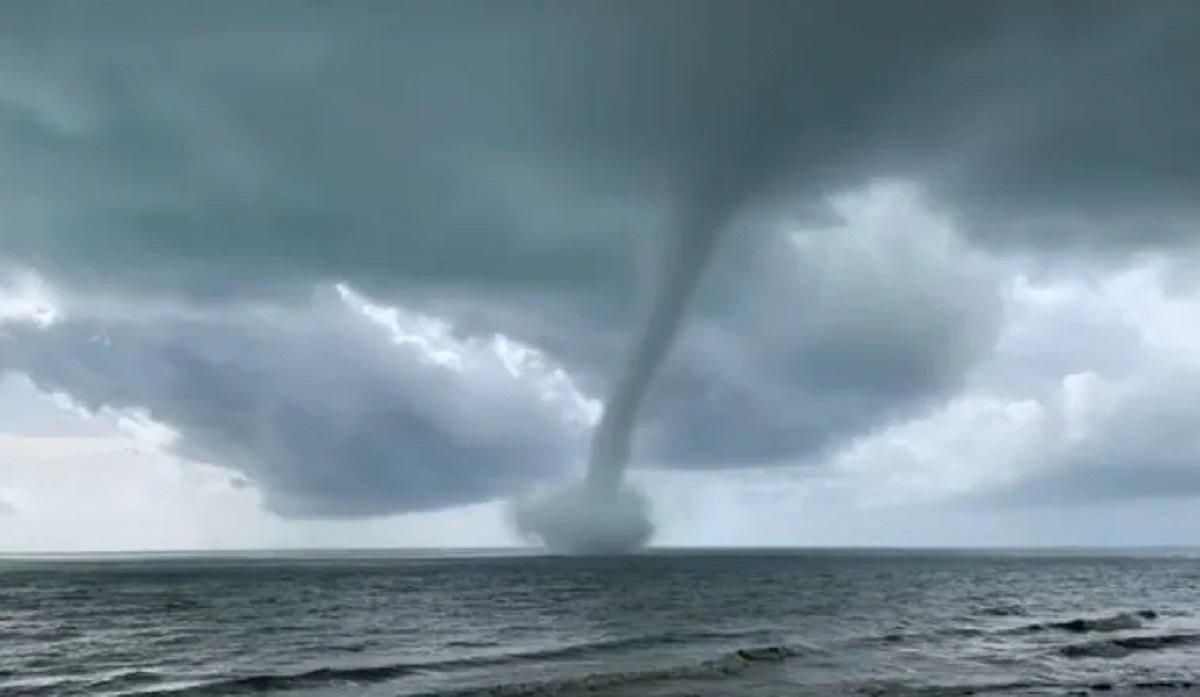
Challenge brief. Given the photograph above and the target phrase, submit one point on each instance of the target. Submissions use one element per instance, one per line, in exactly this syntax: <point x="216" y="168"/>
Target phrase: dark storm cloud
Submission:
<point x="321" y="407"/>
<point x="329" y="417"/>
<point x="503" y="164"/>
<point x="859" y="323"/>
<point x="522" y="144"/>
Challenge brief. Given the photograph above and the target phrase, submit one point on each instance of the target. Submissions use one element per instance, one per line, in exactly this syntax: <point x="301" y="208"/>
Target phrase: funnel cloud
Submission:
<point x="604" y="513"/>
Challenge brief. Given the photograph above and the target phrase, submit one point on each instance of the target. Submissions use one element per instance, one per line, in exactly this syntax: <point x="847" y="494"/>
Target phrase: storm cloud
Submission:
<point x="394" y="144"/>
<point x="383" y="257"/>
<point x="335" y="408"/>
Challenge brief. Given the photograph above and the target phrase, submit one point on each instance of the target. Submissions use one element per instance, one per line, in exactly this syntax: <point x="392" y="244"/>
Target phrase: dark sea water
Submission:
<point x="751" y="623"/>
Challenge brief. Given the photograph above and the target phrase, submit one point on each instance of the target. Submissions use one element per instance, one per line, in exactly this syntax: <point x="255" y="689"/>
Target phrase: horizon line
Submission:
<point x="535" y="551"/>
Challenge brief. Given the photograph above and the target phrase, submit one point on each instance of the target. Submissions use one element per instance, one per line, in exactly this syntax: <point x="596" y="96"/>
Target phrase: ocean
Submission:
<point x="664" y="623"/>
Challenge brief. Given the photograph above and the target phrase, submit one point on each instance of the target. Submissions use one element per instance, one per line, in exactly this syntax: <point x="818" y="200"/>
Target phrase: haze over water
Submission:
<point x="664" y="623"/>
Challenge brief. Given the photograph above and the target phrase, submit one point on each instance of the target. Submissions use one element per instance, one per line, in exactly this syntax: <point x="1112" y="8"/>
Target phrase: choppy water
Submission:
<point x="659" y="624"/>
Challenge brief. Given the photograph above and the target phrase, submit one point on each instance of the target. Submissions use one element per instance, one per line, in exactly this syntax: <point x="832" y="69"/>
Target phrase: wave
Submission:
<point x="583" y="649"/>
<point x="1120" y="647"/>
<point x="726" y="665"/>
<point x="362" y="675"/>
<point x="1022" y="687"/>
<point x="937" y="634"/>
<point x="1164" y="685"/>
<point x="1086" y="625"/>
<point x="1003" y="611"/>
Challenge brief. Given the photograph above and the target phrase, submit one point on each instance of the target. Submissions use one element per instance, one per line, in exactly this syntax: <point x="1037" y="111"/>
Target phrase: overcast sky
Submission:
<point x="359" y="273"/>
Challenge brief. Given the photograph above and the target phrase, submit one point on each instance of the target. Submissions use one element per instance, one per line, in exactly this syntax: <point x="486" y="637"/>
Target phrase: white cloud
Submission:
<point x="24" y="297"/>
<point x="1090" y="395"/>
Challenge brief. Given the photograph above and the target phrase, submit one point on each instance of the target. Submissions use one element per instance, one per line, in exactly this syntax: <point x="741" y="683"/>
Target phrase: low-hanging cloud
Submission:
<point x="337" y="408"/>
